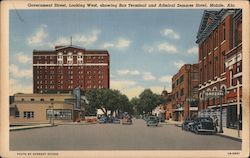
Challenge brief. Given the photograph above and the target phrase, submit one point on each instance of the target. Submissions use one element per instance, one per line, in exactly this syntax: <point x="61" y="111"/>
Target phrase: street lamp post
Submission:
<point x="221" y="129"/>
<point x="238" y="107"/>
<point x="52" y="115"/>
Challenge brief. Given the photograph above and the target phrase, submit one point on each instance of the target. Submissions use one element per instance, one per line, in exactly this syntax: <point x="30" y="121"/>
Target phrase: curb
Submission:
<point x="221" y="135"/>
<point x="29" y="127"/>
<point x="230" y="137"/>
<point x="76" y="123"/>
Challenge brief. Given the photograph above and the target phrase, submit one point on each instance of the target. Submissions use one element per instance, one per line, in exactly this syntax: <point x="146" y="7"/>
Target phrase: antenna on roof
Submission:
<point x="71" y="40"/>
<point x="164" y="87"/>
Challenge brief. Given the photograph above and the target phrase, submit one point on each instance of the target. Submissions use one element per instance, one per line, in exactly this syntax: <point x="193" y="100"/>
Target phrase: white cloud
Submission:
<point x="121" y="84"/>
<point x="22" y="58"/>
<point x="133" y="91"/>
<point x="167" y="79"/>
<point x="128" y="72"/>
<point x="166" y="47"/>
<point x="148" y="49"/>
<point x="20" y="73"/>
<point x="39" y="37"/>
<point x="157" y="89"/>
<point x="81" y="39"/>
<point x="147" y="76"/>
<point x="170" y="33"/>
<point x="179" y="64"/>
<point x="108" y="45"/>
<point x="121" y="43"/>
<point x="62" y="41"/>
<point x="17" y="87"/>
<point x="193" y="50"/>
<point x="87" y="39"/>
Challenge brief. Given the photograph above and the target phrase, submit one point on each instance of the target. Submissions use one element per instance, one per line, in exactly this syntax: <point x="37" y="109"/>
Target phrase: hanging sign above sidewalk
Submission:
<point x="213" y="94"/>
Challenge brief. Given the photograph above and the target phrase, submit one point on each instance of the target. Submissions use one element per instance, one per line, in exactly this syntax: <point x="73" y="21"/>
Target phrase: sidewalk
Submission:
<point x="231" y="133"/>
<point x="227" y="132"/>
<point x="29" y="127"/>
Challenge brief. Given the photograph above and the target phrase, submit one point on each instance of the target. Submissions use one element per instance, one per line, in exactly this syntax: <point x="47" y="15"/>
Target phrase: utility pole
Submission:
<point x="221" y="130"/>
<point x="238" y="106"/>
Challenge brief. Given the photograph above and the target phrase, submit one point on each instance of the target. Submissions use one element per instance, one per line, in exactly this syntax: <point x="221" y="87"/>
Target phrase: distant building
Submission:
<point x="43" y="108"/>
<point x="68" y="67"/>
<point x="185" y="87"/>
<point x="220" y="61"/>
<point x="167" y="103"/>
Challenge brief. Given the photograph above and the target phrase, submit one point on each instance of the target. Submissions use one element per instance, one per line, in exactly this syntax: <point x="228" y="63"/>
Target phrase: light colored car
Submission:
<point x="126" y="121"/>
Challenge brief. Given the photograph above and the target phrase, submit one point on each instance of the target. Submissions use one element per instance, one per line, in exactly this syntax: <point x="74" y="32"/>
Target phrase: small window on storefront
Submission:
<point x="17" y="114"/>
<point x="28" y="114"/>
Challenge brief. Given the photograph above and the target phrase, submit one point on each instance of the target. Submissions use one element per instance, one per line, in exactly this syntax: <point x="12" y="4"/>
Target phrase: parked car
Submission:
<point x="126" y="121"/>
<point x="203" y="124"/>
<point x="187" y="123"/>
<point x="152" y="121"/>
<point x="103" y="120"/>
<point x="116" y="120"/>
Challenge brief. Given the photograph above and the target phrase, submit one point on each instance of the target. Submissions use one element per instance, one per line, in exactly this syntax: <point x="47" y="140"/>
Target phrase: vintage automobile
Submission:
<point x="203" y="125"/>
<point x="116" y="120"/>
<point x="103" y="120"/>
<point x="152" y="121"/>
<point x="186" y="125"/>
<point x="126" y="121"/>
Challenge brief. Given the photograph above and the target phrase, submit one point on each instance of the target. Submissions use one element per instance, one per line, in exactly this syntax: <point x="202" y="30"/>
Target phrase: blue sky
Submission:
<point x="147" y="47"/>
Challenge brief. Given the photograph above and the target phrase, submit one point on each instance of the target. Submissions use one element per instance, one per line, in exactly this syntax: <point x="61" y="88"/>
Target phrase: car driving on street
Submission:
<point x="152" y="121"/>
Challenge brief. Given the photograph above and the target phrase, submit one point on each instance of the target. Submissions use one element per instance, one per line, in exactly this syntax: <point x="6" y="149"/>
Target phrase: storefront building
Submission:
<point x="220" y="64"/>
<point x="43" y="108"/>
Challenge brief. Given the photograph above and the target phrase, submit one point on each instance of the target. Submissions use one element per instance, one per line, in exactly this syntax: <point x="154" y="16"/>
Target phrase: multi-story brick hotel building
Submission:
<point x="185" y="92"/>
<point x="68" y="67"/>
<point x="220" y="61"/>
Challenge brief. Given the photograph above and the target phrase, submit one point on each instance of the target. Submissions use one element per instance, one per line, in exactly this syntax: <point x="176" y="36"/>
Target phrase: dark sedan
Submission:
<point x="203" y="125"/>
<point x="152" y="121"/>
<point x="187" y="124"/>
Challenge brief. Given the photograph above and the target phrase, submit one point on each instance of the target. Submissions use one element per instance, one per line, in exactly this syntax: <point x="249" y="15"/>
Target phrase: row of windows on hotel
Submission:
<point x="80" y="60"/>
<point x="51" y="77"/>
<point x="88" y="82"/>
<point x="89" y="86"/>
<point x="70" y="72"/>
<point x="68" y="67"/>
<point x="69" y="56"/>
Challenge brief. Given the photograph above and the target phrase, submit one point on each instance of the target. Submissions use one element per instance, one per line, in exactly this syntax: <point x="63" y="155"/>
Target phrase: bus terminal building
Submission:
<point x="45" y="108"/>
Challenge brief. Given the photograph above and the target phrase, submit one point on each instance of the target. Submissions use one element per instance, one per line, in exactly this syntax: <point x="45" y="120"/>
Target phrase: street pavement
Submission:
<point x="117" y="137"/>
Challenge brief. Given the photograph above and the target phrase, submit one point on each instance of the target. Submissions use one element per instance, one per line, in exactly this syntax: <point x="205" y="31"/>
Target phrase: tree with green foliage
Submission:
<point x="107" y="100"/>
<point x="146" y="102"/>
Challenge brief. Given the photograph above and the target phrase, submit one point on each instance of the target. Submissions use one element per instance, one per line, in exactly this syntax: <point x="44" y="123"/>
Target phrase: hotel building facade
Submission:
<point x="68" y="67"/>
<point x="220" y="62"/>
